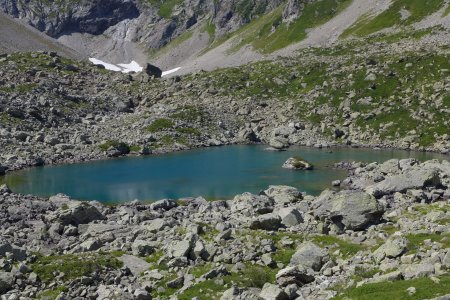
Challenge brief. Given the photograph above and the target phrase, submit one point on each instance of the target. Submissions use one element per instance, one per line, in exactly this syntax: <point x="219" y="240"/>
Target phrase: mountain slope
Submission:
<point x="15" y="36"/>
<point x="196" y="35"/>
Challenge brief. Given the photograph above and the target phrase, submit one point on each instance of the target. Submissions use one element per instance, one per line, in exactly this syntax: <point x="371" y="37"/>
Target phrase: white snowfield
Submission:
<point x="126" y="68"/>
<point x="169" y="72"/>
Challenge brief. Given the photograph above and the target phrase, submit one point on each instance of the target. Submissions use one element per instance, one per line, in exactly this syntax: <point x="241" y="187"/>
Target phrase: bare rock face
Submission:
<point x="56" y="18"/>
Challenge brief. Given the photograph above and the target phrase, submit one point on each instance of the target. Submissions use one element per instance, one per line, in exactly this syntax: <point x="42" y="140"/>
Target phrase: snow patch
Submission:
<point x="170" y="71"/>
<point x="131" y="67"/>
<point x="126" y="68"/>
<point x="107" y="66"/>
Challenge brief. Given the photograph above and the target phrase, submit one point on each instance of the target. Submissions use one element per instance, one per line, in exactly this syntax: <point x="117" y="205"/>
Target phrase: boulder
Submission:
<point x="4" y="189"/>
<point x="290" y="216"/>
<point x="279" y="143"/>
<point x="235" y="293"/>
<point x="183" y="248"/>
<point x="251" y="204"/>
<point x="353" y="210"/>
<point x="18" y="253"/>
<point x="79" y="213"/>
<point x="153" y="71"/>
<point x="247" y="134"/>
<point x="266" y="222"/>
<point x="156" y="225"/>
<point x="283" y="194"/>
<point x="142" y="295"/>
<point x="411" y="179"/>
<point x="142" y="248"/>
<point x="6" y="282"/>
<point x="91" y="245"/>
<point x="391" y="249"/>
<point x="309" y="255"/>
<point x="418" y="270"/>
<point x="296" y="163"/>
<point x="165" y="204"/>
<point x="272" y="292"/>
<point x="294" y="275"/>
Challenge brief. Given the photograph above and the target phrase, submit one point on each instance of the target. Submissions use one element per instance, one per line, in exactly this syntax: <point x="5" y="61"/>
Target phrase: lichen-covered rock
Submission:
<point x="296" y="163"/>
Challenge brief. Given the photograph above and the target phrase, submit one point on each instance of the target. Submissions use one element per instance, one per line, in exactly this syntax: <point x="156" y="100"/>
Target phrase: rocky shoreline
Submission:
<point x="389" y="222"/>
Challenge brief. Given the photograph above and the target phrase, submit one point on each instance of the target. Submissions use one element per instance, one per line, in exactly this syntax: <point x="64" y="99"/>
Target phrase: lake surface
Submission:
<point x="214" y="173"/>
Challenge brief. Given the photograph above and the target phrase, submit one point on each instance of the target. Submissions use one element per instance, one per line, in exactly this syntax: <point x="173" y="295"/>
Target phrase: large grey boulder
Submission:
<point x="183" y="248"/>
<point x="294" y="275"/>
<point x="156" y="225"/>
<point x="272" y="292"/>
<point x="418" y="270"/>
<point x="290" y="216"/>
<point x="411" y="179"/>
<point x="266" y="222"/>
<point x="142" y="248"/>
<point x="235" y="293"/>
<point x="309" y="255"/>
<point x="279" y="143"/>
<point x="165" y="204"/>
<point x="446" y="260"/>
<point x="392" y="248"/>
<point x="251" y="204"/>
<point x="18" y="253"/>
<point x="283" y="194"/>
<point x="353" y="210"/>
<point x="78" y="213"/>
<point x="6" y="282"/>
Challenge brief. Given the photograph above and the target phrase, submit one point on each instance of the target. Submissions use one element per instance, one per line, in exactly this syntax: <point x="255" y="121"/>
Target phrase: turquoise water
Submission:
<point x="214" y="173"/>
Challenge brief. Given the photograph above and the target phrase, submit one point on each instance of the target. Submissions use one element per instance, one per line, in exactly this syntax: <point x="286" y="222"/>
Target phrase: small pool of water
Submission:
<point x="214" y="173"/>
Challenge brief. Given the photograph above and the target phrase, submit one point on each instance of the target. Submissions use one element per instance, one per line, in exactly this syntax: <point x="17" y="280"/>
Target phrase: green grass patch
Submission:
<point x="416" y="241"/>
<point x="345" y="248"/>
<point x="447" y="11"/>
<point x="74" y="266"/>
<point x="52" y="294"/>
<point x="165" y="7"/>
<point x="160" y="125"/>
<point x="135" y="148"/>
<point x="425" y="289"/>
<point x="20" y="88"/>
<point x="313" y="15"/>
<point x="251" y="276"/>
<point x="188" y="131"/>
<point x="115" y="144"/>
<point x="418" y="10"/>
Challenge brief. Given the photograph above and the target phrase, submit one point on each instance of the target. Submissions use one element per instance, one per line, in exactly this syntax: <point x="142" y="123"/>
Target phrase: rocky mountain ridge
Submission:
<point x="210" y="34"/>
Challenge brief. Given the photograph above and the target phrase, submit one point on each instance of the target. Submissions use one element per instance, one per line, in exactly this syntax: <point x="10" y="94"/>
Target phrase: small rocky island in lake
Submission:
<point x="297" y="163"/>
